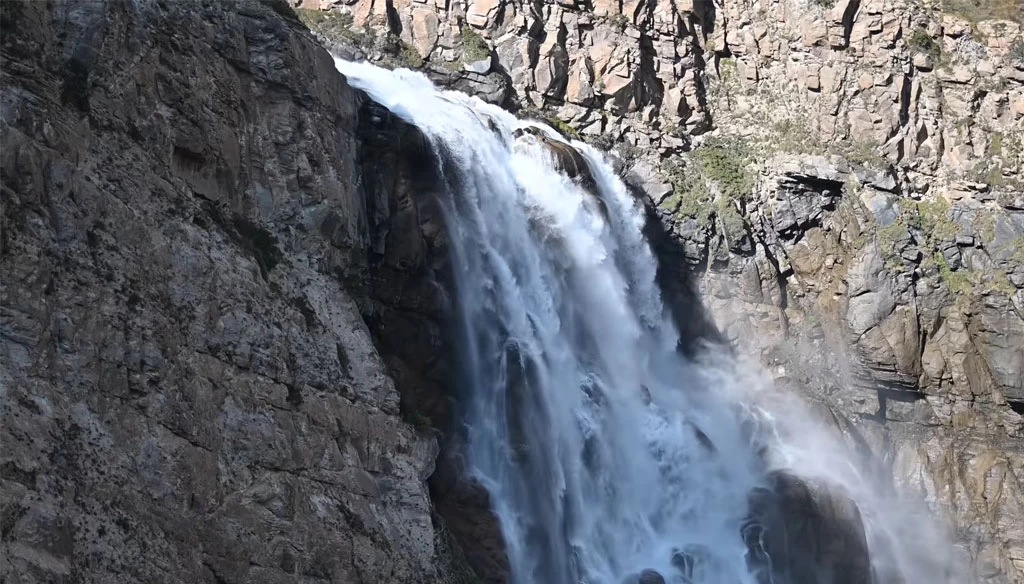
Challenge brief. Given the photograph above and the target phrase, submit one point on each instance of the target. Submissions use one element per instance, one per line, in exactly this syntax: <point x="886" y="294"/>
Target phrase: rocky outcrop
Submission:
<point x="198" y="254"/>
<point x="212" y="259"/>
<point x="902" y="316"/>
<point x="806" y="533"/>
<point x="845" y="175"/>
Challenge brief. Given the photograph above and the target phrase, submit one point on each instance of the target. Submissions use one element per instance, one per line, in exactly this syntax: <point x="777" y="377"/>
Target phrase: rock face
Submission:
<point x="845" y="175"/>
<point x="196" y="237"/>
<point x="220" y="315"/>
<point x="902" y="316"/>
<point x="804" y="533"/>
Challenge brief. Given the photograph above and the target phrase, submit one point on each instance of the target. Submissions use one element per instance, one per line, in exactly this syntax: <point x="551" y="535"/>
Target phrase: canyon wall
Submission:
<point x="221" y="330"/>
<point x="844" y="176"/>
<point x="199" y="261"/>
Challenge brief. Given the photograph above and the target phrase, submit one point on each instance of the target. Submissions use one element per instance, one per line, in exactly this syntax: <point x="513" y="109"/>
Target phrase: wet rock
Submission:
<point x="806" y="533"/>
<point x="647" y="576"/>
<point x="568" y="160"/>
<point x="492" y="87"/>
<point x="650" y="577"/>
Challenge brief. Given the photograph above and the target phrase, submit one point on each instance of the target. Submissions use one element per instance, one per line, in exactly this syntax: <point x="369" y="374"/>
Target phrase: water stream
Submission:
<point x="606" y="452"/>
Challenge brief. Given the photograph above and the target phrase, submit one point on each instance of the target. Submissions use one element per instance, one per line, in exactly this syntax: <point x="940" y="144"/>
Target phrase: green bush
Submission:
<point x="862" y="153"/>
<point x="474" y="46"/>
<point x="959" y="282"/>
<point x="563" y="127"/>
<point x="619" y="21"/>
<point x="419" y="420"/>
<point x="408" y="56"/>
<point x="922" y="41"/>
<point x="933" y="220"/>
<point x="727" y="164"/>
<point x="690" y="196"/>
<point x="729" y="215"/>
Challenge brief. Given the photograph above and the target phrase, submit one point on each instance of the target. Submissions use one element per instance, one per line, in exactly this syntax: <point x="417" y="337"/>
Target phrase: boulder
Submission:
<point x="806" y="532"/>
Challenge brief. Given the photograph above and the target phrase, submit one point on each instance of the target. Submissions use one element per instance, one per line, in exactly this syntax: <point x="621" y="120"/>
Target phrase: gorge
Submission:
<point x="265" y="321"/>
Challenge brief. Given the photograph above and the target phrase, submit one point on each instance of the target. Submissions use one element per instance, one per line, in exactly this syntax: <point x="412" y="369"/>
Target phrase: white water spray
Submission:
<point x="605" y="451"/>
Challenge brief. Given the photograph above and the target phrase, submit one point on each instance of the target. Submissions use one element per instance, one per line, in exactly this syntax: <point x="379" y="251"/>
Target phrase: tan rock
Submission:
<point x="923" y="61"/>
<point x="959" y="74"/>
<point x="955" y="26"/>
<point x="580" y="89"/>
<point x="813" y="80"/>
<point x="1017" y="105"/>
<point x="747" y="71"/>
<point x="481" y="12"/>
<point x="1000" y="35"/>
<point x="960" y="158"/>
<point x="601" y="57"/>
<point x="675" y="102"/>
<point x="361" y="12"/>
<point x="831" y="79"/>
<point x="424" y="30"/>
<point x="836" y="35"/>
<point x="814" y="33"/>
<point x="862" y="124"/>
<point x="616" y="85"/>
<point x="605" y="8"/>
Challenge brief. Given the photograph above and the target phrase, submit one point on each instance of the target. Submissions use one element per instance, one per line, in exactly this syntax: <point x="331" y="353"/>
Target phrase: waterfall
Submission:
<point x="607" y="453"/>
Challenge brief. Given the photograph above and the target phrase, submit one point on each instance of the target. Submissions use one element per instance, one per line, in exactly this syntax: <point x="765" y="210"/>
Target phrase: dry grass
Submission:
<point x="978" y="10"/>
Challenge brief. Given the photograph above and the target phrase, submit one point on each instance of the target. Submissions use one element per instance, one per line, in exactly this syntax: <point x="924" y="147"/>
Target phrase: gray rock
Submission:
<point x="191" y="391"/>
<point x="482" y="67"/>
<point x="644" y="176"/>
<point x="492" y="88"/>
<point x="806" y="533"/>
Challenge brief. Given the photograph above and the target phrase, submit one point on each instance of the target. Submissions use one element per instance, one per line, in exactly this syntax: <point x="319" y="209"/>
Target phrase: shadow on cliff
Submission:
<point x="409" y="310"/>
<point x="676" y="279"/>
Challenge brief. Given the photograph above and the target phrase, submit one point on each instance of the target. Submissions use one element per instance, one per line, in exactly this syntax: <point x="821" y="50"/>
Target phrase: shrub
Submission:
<point x="408" y="56"/>
<point x="619" y="21"/>
<point x="920" y="40"/>
<point x="726" y="163"/>
<point x="563" y="127"/>
<point x="861" y="152"/>
<point x="959" y="282"/>
<point x="474" y="46"/>
<point x="729" y="215"/>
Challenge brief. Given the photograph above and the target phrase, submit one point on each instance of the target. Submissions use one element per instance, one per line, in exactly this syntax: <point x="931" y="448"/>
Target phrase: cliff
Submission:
<point x="844" y="176"/>
<point x="197" y="257"/>
<point x="222" y="339"/>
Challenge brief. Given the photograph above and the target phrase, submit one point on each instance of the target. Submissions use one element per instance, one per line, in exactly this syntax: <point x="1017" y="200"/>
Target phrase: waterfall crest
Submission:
<point x="609" y="456"/>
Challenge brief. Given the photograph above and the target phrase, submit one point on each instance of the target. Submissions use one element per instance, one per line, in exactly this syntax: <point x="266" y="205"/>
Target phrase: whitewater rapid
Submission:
<point x="605" y="451"/>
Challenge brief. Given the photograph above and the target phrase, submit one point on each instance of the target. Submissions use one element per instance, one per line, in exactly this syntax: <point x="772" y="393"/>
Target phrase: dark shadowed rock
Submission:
<point x="491" y="87"/>
<point x="198" y="255"/>
<point x="803" y="532"/>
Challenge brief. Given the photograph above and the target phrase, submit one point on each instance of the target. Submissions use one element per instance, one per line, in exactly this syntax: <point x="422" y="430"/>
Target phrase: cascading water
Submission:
<point x="605" y="451"/>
